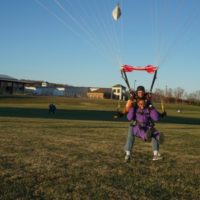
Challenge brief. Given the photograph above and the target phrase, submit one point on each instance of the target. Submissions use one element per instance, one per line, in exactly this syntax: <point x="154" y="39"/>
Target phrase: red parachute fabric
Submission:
<point x="149" y="68"/>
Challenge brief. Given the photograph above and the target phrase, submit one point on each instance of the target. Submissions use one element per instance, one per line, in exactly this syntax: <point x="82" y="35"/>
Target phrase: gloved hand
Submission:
<point x="148" y="96"/>
<point x="132" y="95"/>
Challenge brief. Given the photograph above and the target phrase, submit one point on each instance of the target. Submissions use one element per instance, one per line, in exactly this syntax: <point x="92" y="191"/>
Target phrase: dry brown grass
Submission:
<point x="49" y="158"/>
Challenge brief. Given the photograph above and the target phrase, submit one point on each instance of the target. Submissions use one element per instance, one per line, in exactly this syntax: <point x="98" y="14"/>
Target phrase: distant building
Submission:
<point x="29" y="90"/>
<point x="10" y="85"/>
<point x="71" y="91"/>
<point x="49" y="91"/>
<point x="44" y="84"/>
<point x="118" y="92"/>
<point x="44" y="88"/>
<point x="99" y="93"/>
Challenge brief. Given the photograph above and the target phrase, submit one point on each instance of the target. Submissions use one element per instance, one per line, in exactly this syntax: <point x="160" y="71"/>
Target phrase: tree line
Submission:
<point x="177" y="95"/>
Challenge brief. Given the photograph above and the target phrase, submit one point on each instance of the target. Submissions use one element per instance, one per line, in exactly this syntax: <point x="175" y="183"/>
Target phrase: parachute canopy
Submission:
<point x="116" y="13"/>
<point x="149" y="68"/>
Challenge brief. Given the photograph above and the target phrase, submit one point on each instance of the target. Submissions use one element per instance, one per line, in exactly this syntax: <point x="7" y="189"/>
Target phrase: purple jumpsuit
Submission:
<point x="144" y="118"/>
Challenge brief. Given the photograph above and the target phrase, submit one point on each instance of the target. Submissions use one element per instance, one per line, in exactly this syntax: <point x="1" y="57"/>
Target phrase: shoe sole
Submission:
<point x="157" y="159"/>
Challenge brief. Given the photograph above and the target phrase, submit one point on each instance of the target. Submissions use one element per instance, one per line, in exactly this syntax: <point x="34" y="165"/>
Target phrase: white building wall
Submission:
<point x="49" y="91"/>
<point x="118" y="92"/>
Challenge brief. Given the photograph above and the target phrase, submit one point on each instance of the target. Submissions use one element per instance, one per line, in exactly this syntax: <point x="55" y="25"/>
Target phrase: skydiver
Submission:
<point x="142" y="108"/>
<point x="143" y="128"/>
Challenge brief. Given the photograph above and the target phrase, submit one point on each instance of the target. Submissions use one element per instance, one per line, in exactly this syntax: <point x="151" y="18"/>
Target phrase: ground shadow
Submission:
<point x="59" y="114"/>
<point x="181" y="120"/>
<point x="98" y="115"/>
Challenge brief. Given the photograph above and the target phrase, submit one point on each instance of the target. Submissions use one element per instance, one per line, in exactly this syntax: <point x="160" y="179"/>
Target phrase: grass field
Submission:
<point x="78" y="152"/>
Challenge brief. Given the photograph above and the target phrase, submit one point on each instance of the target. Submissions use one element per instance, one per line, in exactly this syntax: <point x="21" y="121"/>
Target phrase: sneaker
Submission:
<point x="127" y="158"/>
<point x="157" y="157"/>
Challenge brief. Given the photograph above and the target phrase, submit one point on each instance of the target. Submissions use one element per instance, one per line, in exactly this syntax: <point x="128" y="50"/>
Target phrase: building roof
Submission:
<point x="119" y="85"/>
<point x="100" y="90"/>
<point x="7" y="78"/>
<point x="10" y="79"/>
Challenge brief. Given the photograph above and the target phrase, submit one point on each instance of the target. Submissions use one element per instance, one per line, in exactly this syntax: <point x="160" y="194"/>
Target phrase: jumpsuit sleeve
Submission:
<point x="154" y="115"/>
<point x="130" y="114"/>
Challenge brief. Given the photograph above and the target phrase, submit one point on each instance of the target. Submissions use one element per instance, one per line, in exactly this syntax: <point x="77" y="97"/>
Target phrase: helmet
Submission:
<point x="140" y="88"/>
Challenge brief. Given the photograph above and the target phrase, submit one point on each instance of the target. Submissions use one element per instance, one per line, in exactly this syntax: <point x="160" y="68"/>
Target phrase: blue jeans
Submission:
<point x="131" y="140"/>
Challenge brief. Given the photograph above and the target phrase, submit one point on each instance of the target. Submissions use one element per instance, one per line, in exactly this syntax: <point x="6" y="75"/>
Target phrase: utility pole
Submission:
<point x="166" y="93"/>
<point x="134" y="84"/>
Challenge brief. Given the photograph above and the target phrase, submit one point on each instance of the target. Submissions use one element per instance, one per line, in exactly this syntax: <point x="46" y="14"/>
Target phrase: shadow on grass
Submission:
<point x="83" y="115"/>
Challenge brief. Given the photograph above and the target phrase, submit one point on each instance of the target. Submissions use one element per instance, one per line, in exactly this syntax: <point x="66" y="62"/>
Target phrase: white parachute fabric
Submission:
<point x="116" y="13"/>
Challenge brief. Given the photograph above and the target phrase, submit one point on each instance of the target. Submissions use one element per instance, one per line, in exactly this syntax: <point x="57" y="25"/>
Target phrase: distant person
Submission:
<point x="52" y="108"/>
<point x="144" y="118"/>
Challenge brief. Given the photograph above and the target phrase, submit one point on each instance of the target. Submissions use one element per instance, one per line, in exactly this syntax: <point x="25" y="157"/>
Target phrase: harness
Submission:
<point x="142" y="125"/>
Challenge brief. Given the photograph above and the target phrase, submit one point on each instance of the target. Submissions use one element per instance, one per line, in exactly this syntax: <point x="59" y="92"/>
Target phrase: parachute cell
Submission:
<point x="116" y="13"/>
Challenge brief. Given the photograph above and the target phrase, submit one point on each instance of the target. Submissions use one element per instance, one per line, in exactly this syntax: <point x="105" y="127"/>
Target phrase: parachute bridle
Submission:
<point x="124" y="76"/>
<point x="149" y="68"/>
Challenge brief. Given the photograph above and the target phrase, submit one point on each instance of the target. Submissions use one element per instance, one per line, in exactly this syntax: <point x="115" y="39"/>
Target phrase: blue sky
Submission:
<point x="77" y="42"/>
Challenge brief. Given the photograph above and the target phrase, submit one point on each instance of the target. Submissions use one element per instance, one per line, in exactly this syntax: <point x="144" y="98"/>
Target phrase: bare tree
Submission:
<point x="158" y="94"/>
<point x="194" y="97"/>
<point x="198" y="95"/>
<point x="178" y="93"/>
<point x="168" y="95"/>
<point x="169" y="92"/>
